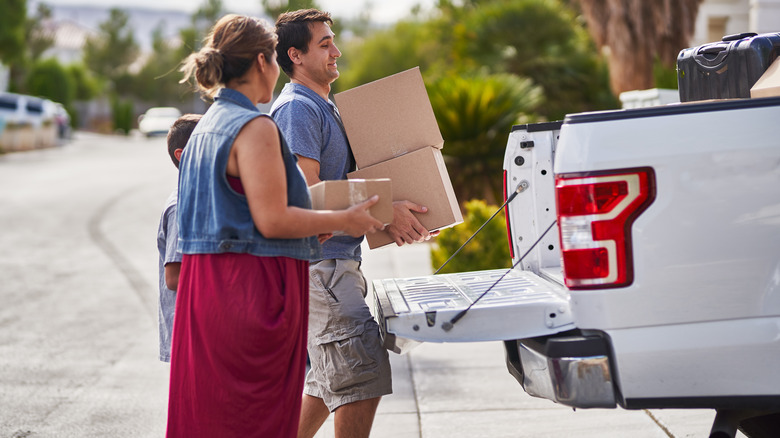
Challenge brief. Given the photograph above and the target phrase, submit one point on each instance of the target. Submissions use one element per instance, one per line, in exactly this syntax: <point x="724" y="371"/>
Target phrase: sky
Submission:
<point x="383" y="11"/>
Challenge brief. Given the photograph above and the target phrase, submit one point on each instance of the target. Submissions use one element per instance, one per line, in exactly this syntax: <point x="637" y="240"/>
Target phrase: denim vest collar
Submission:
<point x="236" y="98"/>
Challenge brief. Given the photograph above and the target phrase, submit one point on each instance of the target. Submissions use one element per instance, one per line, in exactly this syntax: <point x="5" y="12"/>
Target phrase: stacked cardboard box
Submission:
<point x="393" y="133"/>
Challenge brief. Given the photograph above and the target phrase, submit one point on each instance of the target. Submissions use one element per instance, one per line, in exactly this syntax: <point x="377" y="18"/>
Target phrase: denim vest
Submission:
<point x="214" y="218"/>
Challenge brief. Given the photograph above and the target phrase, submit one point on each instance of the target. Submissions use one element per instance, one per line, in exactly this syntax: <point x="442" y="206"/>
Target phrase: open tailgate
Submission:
<point x="521" y="305"/>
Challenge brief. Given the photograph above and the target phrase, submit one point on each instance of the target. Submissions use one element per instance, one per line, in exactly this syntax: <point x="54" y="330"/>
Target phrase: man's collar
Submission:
<point x="300" y="88"/>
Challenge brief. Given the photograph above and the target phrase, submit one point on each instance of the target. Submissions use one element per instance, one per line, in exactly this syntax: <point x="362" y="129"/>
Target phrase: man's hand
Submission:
<point x="405" y="227"/>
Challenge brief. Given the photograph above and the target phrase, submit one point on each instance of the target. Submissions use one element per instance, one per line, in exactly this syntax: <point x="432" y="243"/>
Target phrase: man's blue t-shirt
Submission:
<point x="308" y="123"/>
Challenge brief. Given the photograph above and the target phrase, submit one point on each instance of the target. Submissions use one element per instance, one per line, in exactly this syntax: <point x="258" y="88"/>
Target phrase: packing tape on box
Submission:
<point x="358" y="192"/>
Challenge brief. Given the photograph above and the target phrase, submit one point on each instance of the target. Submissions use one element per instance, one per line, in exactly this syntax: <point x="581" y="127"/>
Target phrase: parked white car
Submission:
<point x="20" y="109"/>
<point x="158" y="120"/>
<point x="30" y="119"/>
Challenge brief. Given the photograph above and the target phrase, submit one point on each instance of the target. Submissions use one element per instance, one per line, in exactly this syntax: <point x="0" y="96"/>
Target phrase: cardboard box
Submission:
<point x="339" y="195"/>
<point x="769" y="83"/>
<point x="389" y="117"/>
<point x="420" y="177"/>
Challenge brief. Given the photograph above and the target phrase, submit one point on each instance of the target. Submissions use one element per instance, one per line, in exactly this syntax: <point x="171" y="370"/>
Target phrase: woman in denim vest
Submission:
<point x="246" y="232"/>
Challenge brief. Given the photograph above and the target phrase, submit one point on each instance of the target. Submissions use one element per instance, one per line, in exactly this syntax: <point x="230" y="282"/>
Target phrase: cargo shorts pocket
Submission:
<point x="348" y="361"/>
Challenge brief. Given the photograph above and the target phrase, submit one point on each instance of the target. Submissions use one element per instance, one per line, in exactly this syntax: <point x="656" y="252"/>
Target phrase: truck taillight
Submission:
<point x="506" y="216"/>
<point x="595" y="214"/>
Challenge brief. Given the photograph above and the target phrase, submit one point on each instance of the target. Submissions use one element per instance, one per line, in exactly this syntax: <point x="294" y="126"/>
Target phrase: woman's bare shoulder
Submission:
<point x="261" y="129"/>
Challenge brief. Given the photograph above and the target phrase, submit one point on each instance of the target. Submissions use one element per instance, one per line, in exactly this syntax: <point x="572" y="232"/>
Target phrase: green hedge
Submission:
<point x="488" y="250"/>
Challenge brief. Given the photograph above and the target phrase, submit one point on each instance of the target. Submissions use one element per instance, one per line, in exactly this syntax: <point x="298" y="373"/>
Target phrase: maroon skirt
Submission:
<point x="239" y="346"/>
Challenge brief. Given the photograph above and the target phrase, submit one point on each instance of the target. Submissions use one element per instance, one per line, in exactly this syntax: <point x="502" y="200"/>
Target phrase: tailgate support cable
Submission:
<point x="520" y="188"/>
<point x="447" y="325"/>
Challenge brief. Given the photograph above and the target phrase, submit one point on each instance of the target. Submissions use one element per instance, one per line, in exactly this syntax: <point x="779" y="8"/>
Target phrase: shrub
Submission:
<point x="488" y="249"/>
<point x="122" y="112"/>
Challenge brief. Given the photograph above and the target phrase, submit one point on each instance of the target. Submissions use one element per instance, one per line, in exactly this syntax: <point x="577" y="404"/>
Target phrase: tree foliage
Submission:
<point x="405" y="45"/>
<point x="49" y="79"/>
<point x="201" y="22"/>
<point x="38" y="40"/>
<point x="541" y="40"/>
<point x="157" y="82"/>
<point x="276" y="7"/>
<point x="86" y="85"/>
<point x="192" y="37"/>
<point x="122" y="115"/>
<point x="12" y="27"/>
<point x="113" y="49"/>
<point x="475" y="115"/>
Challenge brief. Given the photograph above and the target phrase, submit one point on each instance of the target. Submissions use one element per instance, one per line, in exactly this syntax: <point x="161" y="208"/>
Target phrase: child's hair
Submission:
<point x="228" y="51"/>
<point x="179" y="134"/>
<point x="293" y="30"/>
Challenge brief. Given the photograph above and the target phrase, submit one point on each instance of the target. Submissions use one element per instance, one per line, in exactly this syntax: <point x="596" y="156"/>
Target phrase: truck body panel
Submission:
<point x="697" y="326"/>
<point x="707" y="249"/>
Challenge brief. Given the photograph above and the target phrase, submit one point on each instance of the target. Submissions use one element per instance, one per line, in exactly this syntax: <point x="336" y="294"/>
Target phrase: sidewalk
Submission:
<point x="464" y="390"/>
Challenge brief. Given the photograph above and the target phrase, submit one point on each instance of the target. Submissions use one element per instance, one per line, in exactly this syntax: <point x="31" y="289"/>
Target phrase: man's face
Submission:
<point x="319" y="62"/>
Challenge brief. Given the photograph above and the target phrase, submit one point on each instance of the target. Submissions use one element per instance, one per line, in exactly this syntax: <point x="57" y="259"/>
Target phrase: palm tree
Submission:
<point x="475" y="115"/>
<point x="636" y="32"/>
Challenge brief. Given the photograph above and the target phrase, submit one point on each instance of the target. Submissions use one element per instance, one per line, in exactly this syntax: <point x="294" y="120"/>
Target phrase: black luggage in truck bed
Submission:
<point x="725" y="69"/>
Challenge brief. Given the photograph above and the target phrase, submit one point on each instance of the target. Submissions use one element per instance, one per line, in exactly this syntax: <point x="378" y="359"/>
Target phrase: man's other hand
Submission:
<point x="405" y="227"/>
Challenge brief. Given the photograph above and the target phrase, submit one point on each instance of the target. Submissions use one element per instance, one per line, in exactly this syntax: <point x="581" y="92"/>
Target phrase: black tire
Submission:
<point x="763" y="426"/>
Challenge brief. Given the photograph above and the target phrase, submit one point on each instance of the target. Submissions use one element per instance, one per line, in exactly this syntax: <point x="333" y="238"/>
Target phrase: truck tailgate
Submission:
<point x="521" y="305"/>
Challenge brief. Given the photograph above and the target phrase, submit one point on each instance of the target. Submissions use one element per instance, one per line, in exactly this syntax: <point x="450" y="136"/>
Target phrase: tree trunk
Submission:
<point x="636" y="32"/>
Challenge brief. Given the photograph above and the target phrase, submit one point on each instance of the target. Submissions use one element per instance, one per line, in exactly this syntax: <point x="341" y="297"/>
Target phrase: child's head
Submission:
<point x="179" y="134"/>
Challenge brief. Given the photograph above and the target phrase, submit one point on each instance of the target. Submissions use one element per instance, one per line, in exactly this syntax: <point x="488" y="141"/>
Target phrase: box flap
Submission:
<point x="388" y="118"/>
<point x="768" y="84"/>
<point x="521" y="305"/>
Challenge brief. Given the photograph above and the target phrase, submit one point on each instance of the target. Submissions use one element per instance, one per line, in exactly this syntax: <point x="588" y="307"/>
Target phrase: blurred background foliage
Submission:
<point x="544" y="41"/>
<point x="488" y="249"/>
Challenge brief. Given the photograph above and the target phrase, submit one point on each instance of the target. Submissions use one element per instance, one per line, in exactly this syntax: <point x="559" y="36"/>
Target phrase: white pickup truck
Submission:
<point x="657" y="283"/>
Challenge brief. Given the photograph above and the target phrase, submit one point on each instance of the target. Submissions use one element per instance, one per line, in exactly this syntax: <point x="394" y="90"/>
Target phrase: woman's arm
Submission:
<point x="256" y="158"/>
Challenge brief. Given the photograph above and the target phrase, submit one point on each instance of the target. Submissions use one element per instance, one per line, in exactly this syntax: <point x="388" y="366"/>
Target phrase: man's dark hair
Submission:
<point x="179" y="134"/>
<point x="292" y="29"/>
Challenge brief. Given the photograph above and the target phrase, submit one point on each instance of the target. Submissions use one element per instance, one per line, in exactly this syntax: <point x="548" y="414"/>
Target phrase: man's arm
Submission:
<point x="310" y="168"/>
<point x="311" y="171"/>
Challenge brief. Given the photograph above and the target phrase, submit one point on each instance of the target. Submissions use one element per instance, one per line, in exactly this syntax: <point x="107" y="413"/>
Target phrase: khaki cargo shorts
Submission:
<point x="348" y="361"/>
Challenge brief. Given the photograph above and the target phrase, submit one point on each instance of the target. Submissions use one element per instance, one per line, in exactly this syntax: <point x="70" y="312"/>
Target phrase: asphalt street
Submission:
<point x="78" y="320"/>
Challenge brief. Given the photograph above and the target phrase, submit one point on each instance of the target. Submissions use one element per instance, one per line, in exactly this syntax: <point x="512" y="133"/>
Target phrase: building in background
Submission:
<point x="718" y="18"/>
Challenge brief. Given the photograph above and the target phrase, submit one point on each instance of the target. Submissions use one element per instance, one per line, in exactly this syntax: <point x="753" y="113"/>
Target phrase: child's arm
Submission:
<point x="172" y="275"/>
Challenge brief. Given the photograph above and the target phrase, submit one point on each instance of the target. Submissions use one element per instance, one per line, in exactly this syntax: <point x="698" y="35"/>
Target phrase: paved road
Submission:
<point x="77" y="286"/>
<point x="78" y="339"/>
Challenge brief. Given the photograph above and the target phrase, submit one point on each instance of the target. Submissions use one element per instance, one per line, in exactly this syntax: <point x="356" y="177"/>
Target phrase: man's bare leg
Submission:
<point x="354" y="420"/>
<point x="313" y="414"/>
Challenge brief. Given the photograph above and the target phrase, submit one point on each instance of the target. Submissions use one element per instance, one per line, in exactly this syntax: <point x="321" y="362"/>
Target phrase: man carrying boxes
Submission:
<point x="350" y="367"/>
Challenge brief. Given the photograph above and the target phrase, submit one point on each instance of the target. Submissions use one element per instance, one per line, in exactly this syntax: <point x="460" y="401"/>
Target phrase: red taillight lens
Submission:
<point x="595" y="214"/>
<point x="506" y="217"/>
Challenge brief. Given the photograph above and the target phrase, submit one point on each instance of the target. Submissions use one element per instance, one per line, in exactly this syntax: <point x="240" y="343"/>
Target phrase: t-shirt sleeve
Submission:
<point x="300" y="125"/>
<point x="172" y="255"/>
